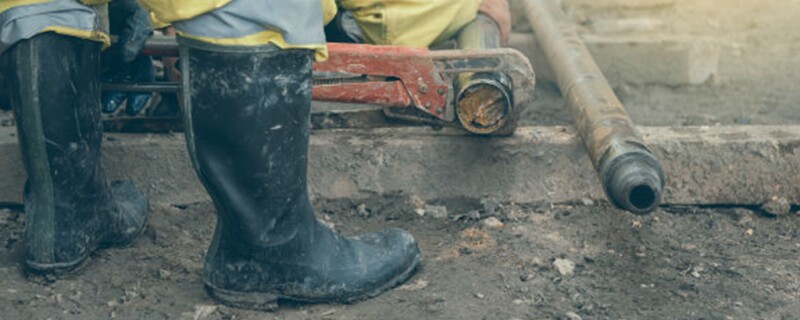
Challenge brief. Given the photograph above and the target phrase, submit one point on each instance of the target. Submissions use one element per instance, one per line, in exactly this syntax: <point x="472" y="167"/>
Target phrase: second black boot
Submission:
<point x="247" y="131"/>
<point x="71" y="209"/>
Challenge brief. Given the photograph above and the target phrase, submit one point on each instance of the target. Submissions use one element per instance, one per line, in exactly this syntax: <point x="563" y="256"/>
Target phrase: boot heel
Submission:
<point x="58" y="269"/>
<point x="244" y="300"/>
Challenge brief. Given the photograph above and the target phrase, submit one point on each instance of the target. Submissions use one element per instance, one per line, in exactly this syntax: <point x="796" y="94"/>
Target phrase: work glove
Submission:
<point x="122" y="63"/>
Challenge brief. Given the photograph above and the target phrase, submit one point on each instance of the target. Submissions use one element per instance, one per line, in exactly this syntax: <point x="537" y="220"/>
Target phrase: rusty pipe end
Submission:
<point x="634" y="182"/>
<point x="484" y="104"/>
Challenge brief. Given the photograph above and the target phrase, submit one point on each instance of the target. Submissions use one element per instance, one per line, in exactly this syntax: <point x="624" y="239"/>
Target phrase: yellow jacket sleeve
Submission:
<point x="414" y="23"/>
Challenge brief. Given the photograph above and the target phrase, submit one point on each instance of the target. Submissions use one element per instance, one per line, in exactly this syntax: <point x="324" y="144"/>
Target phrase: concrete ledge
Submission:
<point x="705" y="165"/>
<point x="651" y="59"/>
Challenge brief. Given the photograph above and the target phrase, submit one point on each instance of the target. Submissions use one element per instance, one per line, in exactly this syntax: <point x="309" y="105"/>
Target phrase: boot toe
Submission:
<point x="395" y="257"/>
<point x="131" y="214"/>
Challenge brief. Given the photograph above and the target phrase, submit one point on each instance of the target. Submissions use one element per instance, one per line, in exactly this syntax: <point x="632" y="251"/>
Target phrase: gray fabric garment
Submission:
<point x="299" y="21"/>
<point x="24" y="22"/>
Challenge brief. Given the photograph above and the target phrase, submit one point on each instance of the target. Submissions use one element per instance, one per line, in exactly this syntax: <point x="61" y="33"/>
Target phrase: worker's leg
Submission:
<point x="72" y="210"/>
<point x="247" y="128"/>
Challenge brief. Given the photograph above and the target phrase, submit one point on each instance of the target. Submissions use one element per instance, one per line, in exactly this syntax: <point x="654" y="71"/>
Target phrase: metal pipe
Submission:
<point x="484" y="103"/>
<point x="632" y="177"/>
<point x="164" y="87"/>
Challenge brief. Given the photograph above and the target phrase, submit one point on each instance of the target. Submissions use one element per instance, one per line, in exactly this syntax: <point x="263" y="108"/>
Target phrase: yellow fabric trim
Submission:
<point x="260" y="39"/>
<point x="168" y="11"/>
<point x="8" y="4"/>
<point x="83" y="34"/>
<point x="413" y="23"/>
<point x="94" y="2"/>
<point x="329" y="10"/>
<point x="158" y="24"/>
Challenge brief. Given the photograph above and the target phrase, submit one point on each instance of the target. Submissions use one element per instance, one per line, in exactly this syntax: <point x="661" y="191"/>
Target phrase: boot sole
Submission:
<point x="269" y="301"/>
<point x="57" y="269"/>
<point x="65" y="268"/>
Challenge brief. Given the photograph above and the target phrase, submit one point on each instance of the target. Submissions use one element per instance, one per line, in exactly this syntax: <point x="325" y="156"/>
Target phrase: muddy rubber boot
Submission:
<point x="247" y="131"/>
<point x="72" y="210"/>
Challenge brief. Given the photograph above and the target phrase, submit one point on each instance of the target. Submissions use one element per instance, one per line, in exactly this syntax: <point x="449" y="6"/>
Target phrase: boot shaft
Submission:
<point x="54" y="89"/>
<point x="248" y="118"/>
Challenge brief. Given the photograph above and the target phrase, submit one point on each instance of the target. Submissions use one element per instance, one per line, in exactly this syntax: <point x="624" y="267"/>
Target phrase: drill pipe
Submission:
<point x="631" y="176"/>
<point x="484" y="103"/>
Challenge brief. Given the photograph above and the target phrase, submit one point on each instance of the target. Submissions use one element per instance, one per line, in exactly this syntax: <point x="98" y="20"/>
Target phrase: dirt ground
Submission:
<point x="543" y="262"/>
<point x="535" y="261"/>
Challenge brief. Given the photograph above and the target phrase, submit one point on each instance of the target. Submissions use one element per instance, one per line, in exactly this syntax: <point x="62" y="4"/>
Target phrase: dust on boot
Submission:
<point x="247" y="123"/>
<point x="72" y="210"/>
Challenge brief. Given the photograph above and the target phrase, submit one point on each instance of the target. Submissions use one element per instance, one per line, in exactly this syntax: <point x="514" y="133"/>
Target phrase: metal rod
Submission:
<point x="632" y="177"/>
<point x="159" y="45"/>
<point x="484" y="102"/>
<point x="165" y="87"/>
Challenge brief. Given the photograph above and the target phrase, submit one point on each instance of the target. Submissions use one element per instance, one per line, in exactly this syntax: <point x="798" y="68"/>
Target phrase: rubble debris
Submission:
<point x="416" y="285"/>
<point x="437" y="212"/>
<point x="493" y="223"/>
<point x="777" y="206"/>
<point x="564" y="267"/>
<point x="363" y="211"/>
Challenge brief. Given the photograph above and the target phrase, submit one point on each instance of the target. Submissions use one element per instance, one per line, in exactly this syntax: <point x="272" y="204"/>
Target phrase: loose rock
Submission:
<point x="573" y="316"/>
<point x="493" y="223"/>
<point x="416" y="202"/>
<point x="564" y="267"/>
<point x="363" y="211"/>
<point x="417" y="285"/>
<point x="777" y="206"/>
<point x="438" y="212"/>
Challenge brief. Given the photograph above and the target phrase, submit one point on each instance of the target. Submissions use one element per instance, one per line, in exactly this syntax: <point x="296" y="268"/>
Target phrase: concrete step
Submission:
<point x="742" y="165"/>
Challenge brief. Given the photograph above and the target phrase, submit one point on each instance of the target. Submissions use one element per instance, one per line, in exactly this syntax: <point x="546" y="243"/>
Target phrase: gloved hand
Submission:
<point x="122" y="63"/>
<point x="134" y="28"/>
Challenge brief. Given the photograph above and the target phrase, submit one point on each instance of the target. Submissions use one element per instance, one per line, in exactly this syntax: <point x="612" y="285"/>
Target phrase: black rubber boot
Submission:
<point x="71" y="208"/>
<point x="247" y="126"/>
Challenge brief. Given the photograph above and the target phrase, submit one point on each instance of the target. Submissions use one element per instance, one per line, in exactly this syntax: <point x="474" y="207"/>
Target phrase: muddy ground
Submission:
<point x="543" y="261"/>
<point x="540" y="262"/>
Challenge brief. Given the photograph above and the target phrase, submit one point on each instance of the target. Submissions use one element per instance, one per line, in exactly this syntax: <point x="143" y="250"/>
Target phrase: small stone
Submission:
<point x="474" y="215"/>
<point x="696" y="271"/>
<point x="493" y="223"/>
<point x="437" y="212"/>
<point x="526" y="277"/>
<point x="203" y="311"/>
<point x="416" y="202"/>
<point x="749" y="232"/>
<point x="164" y="274"/>
<point x="363" y="211"/>
<point x="564" y="267"/>
<point x="480" y="295"/>
<point x="587" y="202"/>
<point x="777" y="206"/>
<point x="420" y="212"/>
<point x="417" y="285"/>
<point x="573" y="316"/>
